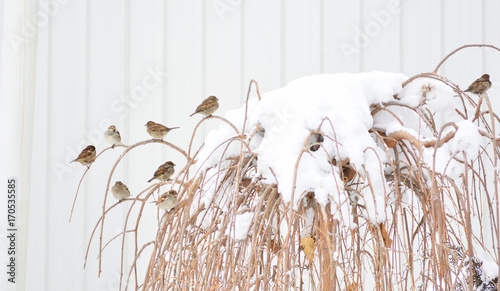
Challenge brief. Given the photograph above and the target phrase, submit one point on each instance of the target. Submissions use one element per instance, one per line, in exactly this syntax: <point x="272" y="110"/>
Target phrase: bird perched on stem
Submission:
<point x="164" y="172"/>
<point x="208" y="106"/>
<point x="87" y="156"/>
<point x="157" y="130"/>
<point x="112" y="136"/>
<point x="167" y="200"/>
<point x="480" y="85"/>
<point x="120" y="191"/>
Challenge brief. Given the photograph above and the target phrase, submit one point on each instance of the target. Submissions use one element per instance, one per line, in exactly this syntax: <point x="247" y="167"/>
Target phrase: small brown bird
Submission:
<point x="157" y="130"/>
<point x="120" y="191"/>
<point x="164" y="172"/>
<point x="480" y="85"/>
<point x="112" y="136"/>
<point x="208" y="106"/>
<point x="167" y="200"/>
<point x="87" y="156"/>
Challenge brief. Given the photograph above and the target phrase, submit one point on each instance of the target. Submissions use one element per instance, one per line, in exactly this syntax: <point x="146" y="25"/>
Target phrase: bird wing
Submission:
<point x="205" y="105"/>
<point x="161" y="199"/>
<point x="472" y="86"/>
<point x="84" y="154"/>
<point x="158" y="127"/>
<point x="159" y="172"/>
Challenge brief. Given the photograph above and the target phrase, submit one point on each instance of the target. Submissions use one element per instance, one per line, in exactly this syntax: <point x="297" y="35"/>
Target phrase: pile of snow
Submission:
<point x="339" y="106"/>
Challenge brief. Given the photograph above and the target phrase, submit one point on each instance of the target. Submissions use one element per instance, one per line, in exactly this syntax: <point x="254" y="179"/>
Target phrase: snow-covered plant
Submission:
<point x="336" y="182"/>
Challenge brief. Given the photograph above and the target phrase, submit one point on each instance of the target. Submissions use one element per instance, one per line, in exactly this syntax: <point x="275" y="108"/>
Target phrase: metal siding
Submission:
<point x="91" y="54"/>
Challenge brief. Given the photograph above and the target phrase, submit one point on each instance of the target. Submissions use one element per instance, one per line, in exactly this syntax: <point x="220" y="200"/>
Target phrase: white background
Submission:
<point x="96" y="57"/>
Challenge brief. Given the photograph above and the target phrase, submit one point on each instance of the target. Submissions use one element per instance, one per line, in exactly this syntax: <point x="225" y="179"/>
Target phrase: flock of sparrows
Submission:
<point x="120" y="191"/>
<point x="158" y="131"/>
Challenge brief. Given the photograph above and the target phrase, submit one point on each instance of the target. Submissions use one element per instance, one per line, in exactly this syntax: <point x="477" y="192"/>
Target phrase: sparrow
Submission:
<point x="164" y="172"/>
<point x="207" y="107"/>
<point x="112" y="136"/>
<point x="157" y="130"/>
<point x="480" y="85"/>
<point x="87" y="156"/>
<point x="167" y="200"/>
<point x="120" y="191"/>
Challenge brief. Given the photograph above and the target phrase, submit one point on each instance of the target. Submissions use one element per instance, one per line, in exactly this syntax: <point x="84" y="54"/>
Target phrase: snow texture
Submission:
<point x="241" y="226"/>
<point x="490" y="271"/>
<point x="338" y="106"/>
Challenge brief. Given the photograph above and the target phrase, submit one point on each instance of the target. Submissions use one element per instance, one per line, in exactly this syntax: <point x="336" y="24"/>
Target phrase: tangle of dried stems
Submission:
<point x="435" y="227"/>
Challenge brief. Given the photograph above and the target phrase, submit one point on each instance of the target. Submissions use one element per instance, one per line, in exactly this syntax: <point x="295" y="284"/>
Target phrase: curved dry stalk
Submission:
<point x="135" y="261"/>
<point x="418" y="76"/>
<point x="205" y="119"/>
<point x="100" y="218"/>
<point x="379" y="108"/>
<point x="88" y="168"/>
<point x="495" y="178"/>
<point x="428" y="213"/>
<point x="448" y="83"/>
<point x="116" y="236"/>
<point x="434" y="73"/>
<point x="461" y="48"/>
<point x="246" y="101"/>
<point x="111" y="175"/>
<point x="153" y="188"/>
<point x="396" y="136"/>
<point x="76" y="194"/>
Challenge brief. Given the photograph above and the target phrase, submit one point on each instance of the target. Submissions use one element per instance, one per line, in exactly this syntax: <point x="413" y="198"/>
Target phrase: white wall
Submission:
<point x="93" y="55"/>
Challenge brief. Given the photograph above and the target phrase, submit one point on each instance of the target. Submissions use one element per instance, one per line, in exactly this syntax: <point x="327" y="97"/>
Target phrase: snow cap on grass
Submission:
<point x="241" y="226"/>
<point x="337" y="105"/>
<point x="433" y="98"/>
<point x="490" y="271"/>
<point x="466" y="139"/>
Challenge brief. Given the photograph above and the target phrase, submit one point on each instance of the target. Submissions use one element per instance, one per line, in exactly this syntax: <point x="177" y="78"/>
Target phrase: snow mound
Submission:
<point x="339" y="107"/>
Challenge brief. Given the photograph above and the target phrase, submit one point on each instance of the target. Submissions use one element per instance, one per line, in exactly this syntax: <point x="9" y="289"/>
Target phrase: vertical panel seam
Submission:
<point x="242" y="54"/>
<point x="401" y="34"/>
<point x="87" y="113"/>
<point x="321" y="37"/>
<point x="282" y="43"/>
<point x="46" y="256"/>
<point x="441" y="31"/>
<point x="483" y="35"/>
<point x="164" y="97"/>
<point x="362" y="50"/>
<point x="126" y="82"/>
<point x="204" y="13"/>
